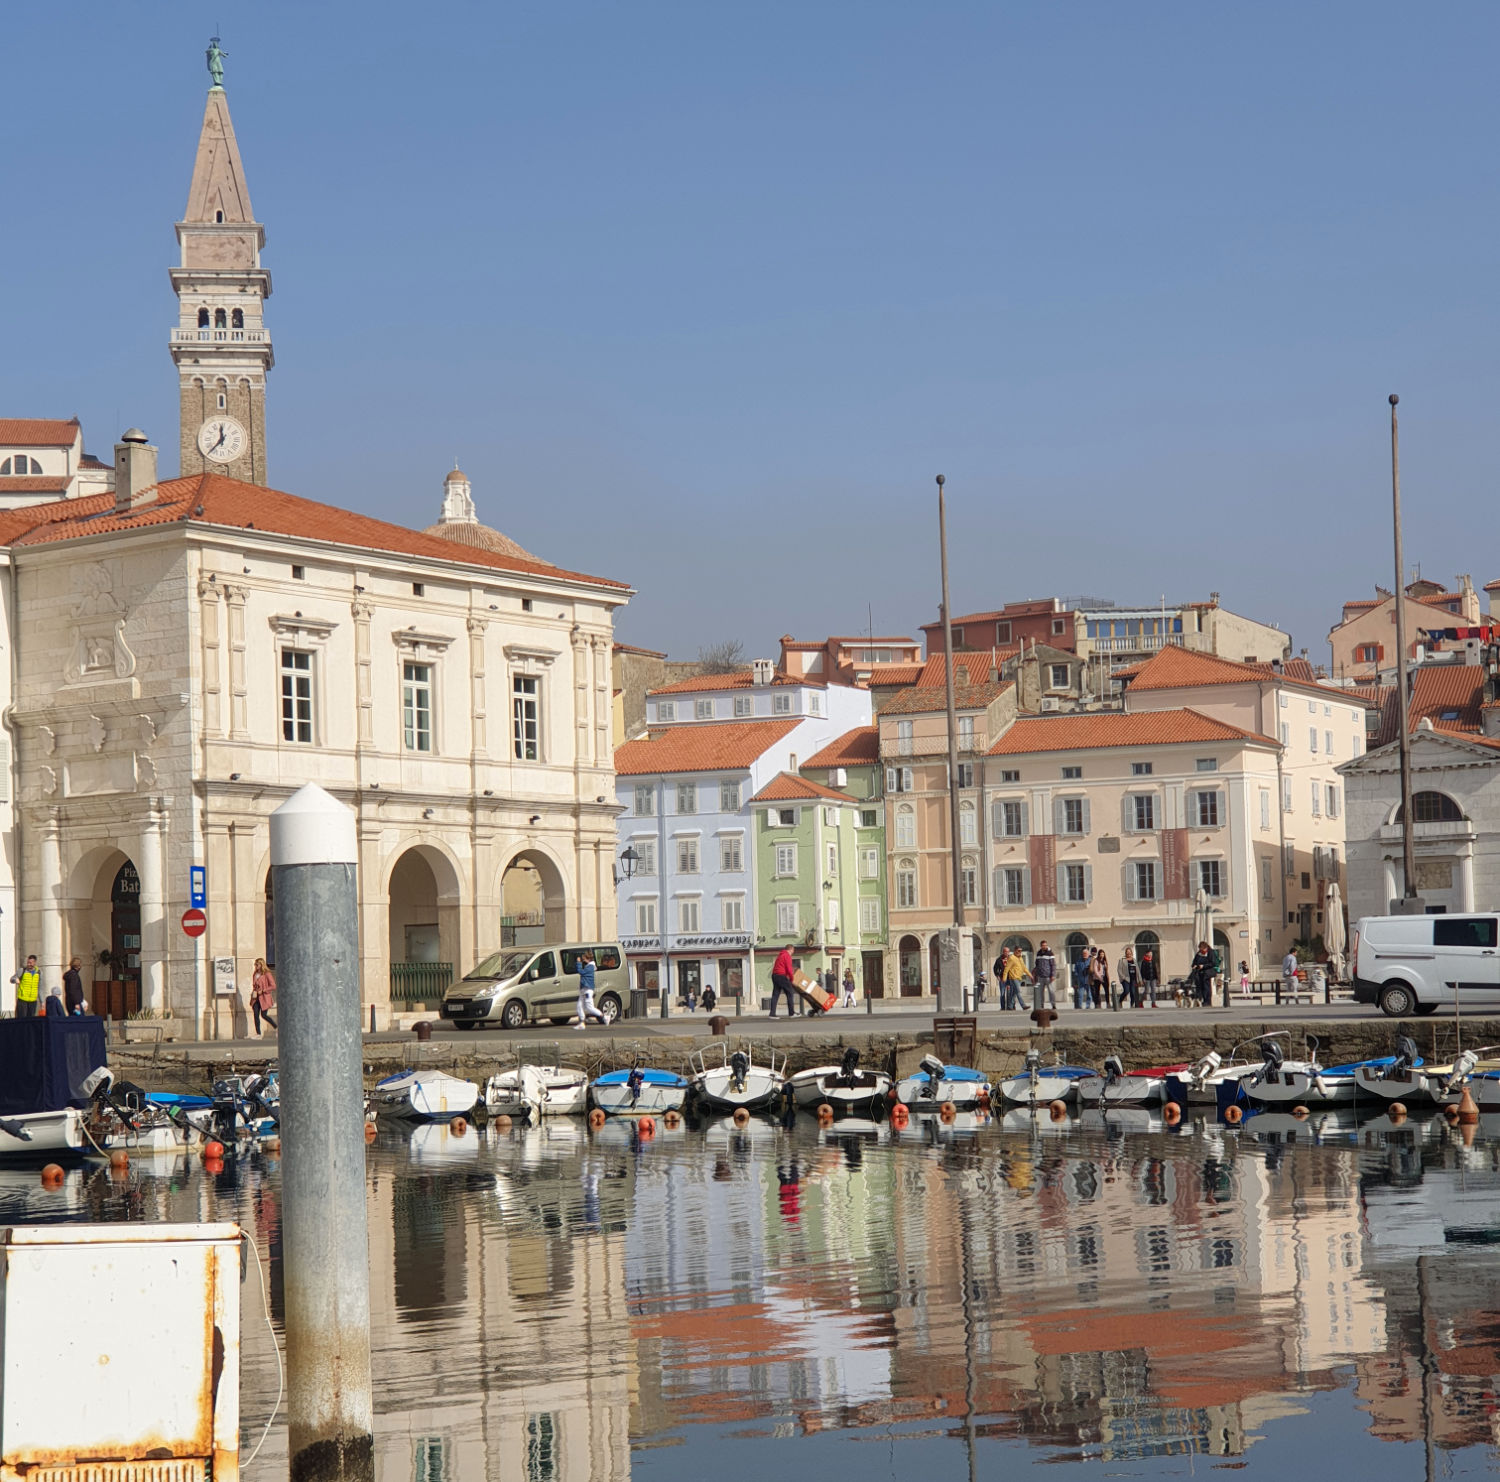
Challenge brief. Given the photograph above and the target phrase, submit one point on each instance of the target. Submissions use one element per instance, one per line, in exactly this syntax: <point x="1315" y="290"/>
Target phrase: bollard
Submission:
<point x="325" y="1234"/>
<point x="869" y="1004"/>
<point x="423" y="1030"/>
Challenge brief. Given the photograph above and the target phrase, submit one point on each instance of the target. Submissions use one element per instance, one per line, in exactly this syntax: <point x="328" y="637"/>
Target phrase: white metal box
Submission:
<point x="119" y="1353"/>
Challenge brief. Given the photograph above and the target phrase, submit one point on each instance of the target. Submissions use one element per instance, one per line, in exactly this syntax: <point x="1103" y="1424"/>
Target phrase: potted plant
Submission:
<point x="148" y="1025"/>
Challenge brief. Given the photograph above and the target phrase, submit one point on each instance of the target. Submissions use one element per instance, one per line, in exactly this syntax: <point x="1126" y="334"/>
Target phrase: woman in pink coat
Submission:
<point x="262" y="994"/>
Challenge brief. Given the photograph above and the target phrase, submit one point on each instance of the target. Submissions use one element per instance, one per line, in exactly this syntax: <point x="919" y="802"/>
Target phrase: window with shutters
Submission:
<point x="1317" y="799"/>
<point x="1074" y="816"/>
<point x="1211" y="876"/>
<point x="1145" y="879"/>
<point x="688" y="914"/>
<point x="831" y="914"/>
<point x="1312" y="738"/>
<point x="731" y="854"/>
<point x="869" y="916"/>
<point x="645" y="802"/>
<point x="968" y="824"/>
<point x="781" y="704"/>
<point x="743" y="706"/>
<point x="1265" y="807"/>
<point x="1143" y="812"/>
<point x="1286" y="794"/>
<point x="666" y="710"/>
<point x="966" y="774"/>
<point x="645" y="918"/>
<point x="1328" y="743"/>
<point x="966" y="733"/>
<point x="1286" y="733"/>
<point x="832" y="861"/>
<point x="729" y="797"/>
<point x="904" y="737"/>
<point x="783" y="818"/>
<point x="687" y="797"/>
<point x="1266" y="877"/>
<point x="1075" y="884"/>
<point x="786" y="861"/>
<point x="869" y="864"/>
<point x="968" y="879"/>
<point x="1010" y="819"/>
<point x="1206" y="809"/>
<point x="786" y="918"/>
<point x="645" y="856"/>
<point x="906" y="827"/>
<point x="1331" y="800"/>
<point x="1289" y="860"/>
<point x="703" y="709"/>
<point x="732" y="912"/>
<point x="906" y="888"/>
<point x="1012" y="888"/>
<point x="898" y="779"/>
<point x="687" y="856"/>
<point x="869" y="818"/>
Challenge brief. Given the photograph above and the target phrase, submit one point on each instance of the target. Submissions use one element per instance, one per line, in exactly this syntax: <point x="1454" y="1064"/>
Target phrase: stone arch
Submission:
<point x="424" y="893"/>
<point x="93" y="927"/>
<point x="1428" y="805"/>
<point x="539" y="885"/>
<point x="909" y="966"/>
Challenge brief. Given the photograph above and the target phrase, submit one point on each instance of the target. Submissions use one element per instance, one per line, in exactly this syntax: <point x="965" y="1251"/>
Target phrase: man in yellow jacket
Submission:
<point x="28" y="986"/>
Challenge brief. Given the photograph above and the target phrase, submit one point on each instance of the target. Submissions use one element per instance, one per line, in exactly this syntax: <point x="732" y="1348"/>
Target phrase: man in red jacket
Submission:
<point x="781" y="981"/>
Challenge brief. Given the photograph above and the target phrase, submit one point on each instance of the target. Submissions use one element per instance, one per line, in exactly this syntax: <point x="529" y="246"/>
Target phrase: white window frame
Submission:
<point x="906" y="889"/>
<point x="1331" y="800"/>
<point x="1081" y="804"/>
<point x="732" y="912"/>
<point x="299" y="708"/>
<point x="1265" y="807"/>
<point x="1053" y="682"/>
<point x="1267" y="878"/>
<point x="1204" y="866"/>
<point x="869" y="915"/>
<point x="744" y="705"/>
<point x="689" y="915"/>
<point x="1206" y="764"/>
<point x="1147" y="870"/>
<point x="418" y="711"/>
<point x="526" y="717"/>
<point x="645" y="857"/>
<point x="1013" y="876"/>
<point x="1149" y="799"/>
<point x="831" y="860"/>
<point x="1079" y="873"/>
<point x="688" y="853"/>
<point x="906" y="827"/>
<point x="966" y="732"/>
<point x="968" y="825"/>
<point x="687" y="792"/>
<point x="645" y="800"/>
<point x="703" y="709"/>
<point x="786" y="861"/>
<point x="1199" y="821"/>
<point x="787" y="922"/>
<point x="1328" y="743"/>
<point x="645" y="915"/>
<point x="666" y="710"/>
<point x="1286" y="795"/>
<point x="831" y="913"/>
<point x="869" y="863"/>
<point x="1006" y="805"/>
<point x="1317" y="798"/>
<point x="781" y="704"/>
<point x="729" y="797"/>
<point x="968" y="877"/>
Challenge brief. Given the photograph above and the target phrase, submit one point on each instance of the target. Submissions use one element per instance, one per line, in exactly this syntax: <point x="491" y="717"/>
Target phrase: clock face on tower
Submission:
<point x="221" y="439"/>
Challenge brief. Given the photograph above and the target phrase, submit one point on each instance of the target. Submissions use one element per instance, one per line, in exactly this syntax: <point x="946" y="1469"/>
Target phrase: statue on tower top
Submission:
<point x="216" y="55"/>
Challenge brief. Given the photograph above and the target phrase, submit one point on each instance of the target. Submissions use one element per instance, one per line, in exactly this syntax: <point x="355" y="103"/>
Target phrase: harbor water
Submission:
<point x="1100" y="1298"/>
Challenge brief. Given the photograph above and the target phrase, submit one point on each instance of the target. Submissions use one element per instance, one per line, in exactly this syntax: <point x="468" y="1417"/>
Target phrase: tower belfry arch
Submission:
<point x="220" y="345"/>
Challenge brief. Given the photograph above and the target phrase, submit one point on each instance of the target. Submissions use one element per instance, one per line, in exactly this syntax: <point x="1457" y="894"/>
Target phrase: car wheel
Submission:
<point x="609" y="1008"/>
<point x="513" y="1015"/>
<point x="1397" y="1000"/>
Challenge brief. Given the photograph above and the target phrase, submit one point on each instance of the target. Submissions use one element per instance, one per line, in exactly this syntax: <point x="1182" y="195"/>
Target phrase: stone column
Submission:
<point x="479" y="733"/>
<point x="239" y="685"/>
<point x="153" y="925"/>
<point x="374" y="926"/>
<point x="1466" y="879"/>
<point x="52" y="907"/>
<point x="362" y="610"/>
<point x="583" y="754"/>
<point x="208" y="610"/>
<point x="604" y="707"/>
<point x="1388" y="867"/>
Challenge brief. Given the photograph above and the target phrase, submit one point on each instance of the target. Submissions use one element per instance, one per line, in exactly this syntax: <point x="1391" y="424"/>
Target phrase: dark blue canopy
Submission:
<point x="44" y="1061"/>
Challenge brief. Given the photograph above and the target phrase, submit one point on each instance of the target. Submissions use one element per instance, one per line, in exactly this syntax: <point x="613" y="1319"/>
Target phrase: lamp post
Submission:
<point x="628" y="861"/>
<point x="948" y="666"/>
<point x="1409" y="900"/>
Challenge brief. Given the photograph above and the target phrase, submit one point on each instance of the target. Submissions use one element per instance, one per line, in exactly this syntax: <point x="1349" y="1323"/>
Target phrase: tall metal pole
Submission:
<point x="948" y="667"/>
<point x="1408" y="849"/>
<point x="325" y="1232"/>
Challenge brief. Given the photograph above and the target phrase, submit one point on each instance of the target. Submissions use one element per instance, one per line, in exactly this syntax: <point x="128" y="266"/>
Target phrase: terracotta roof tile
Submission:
<point x="889" y="674"/>
<point x="1449" y="695"/>
<point x="787" y="787"/>
<point x="230" y="502"/>
<point x="852" y="749"/>
<point x="1299" y="669"/>
<point x="1099" y="731"/>
<point x="1173" y="668"/>
<point x="32" y="484"/>
<point x="711" y="747"/>
<point x="1440" y="599"/>
<point x="37" y="432"/>
<point x="740" y="679"/>
<point x="1381" y="697"/>
<point x="921" y="701"/>
<point x="970" y="666"/>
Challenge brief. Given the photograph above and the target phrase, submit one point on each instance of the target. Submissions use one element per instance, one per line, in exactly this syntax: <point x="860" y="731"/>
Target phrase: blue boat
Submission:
<point x="639" y="1092"/>
<point x="934" y="1084"/>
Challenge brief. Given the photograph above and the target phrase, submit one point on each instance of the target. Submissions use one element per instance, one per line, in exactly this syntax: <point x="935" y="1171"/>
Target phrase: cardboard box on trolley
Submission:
<point x="812" y="992"/>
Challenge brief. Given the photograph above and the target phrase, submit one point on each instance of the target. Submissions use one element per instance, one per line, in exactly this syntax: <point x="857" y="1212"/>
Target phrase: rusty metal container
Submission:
<point x="119" y="1353"/>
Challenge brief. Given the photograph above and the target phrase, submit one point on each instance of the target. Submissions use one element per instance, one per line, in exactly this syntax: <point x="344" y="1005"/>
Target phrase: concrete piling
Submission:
<point x="330" y="1411"/>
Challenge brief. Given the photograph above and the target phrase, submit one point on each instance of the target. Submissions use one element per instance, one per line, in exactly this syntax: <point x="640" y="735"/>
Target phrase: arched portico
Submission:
<point x="424" y="923"/>
<point x="101" y="909"/>
<point x="533" y="887"/>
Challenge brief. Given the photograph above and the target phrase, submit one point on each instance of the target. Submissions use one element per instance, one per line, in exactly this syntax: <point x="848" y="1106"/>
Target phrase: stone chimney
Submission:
<point x="135" y="471"/>
<point x="1470" y="603"/>
<point x="762" y="671"/>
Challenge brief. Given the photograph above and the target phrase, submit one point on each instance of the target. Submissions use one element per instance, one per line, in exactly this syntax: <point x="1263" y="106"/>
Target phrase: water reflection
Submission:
<point x="557" y="1305"/>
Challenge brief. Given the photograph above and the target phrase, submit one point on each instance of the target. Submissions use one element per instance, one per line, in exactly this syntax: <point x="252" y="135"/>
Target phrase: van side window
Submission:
<point x="570" y="956"/>
<point x="542" y="968"/>
<point x="606" y="959"/>
<point x="1463" y="931"/>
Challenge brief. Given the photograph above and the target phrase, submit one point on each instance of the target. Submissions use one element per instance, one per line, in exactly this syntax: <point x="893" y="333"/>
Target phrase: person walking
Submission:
<point x="1044" y="970"/>
<point x="1288" y="976"/>
<point x="1013" y="975"/>
<point x="73" y="988"/>
<point x="586" y="1009"/>
<point x="1150" y="977"/>
<point x="1128" y="971"/>
<point x="1244" y="979"/>
<point x="781" y="981"/>
<point x="848" y="986"/>
<point x="28" y="983"/>
<point x="1082" y="987"/>
<point x="1201" y="975"/>
<point x="1099" y="980"/>
<point x="262" y="994"/>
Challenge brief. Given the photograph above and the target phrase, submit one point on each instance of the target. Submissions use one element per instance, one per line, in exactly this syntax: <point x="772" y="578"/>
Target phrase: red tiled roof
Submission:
<point x="711" y="747"/>
<point x="852" y="749"/>
<point x="1109" y="729"/>
<point x="233" y="503"/>
<point x="1440" y="599"/>
<point x="630" y="648"/>
<point x="787" y="787"/>
<point x="1298" y="669"/>
<point x="741" y="679"/>
<point x="1449" y="695"/>
<point x="902" y="674"/>
<point x="920" y="701"/>
<point x="1381" y="697"/>
<point x="32" y="484"/>
<point x="1173" y="668"/>
<point x="970" y="666"/>
<point x="37" y="432"/>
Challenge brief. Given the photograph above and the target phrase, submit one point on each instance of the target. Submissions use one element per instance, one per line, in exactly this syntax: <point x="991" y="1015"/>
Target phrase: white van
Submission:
<point x="1417" y="964"/>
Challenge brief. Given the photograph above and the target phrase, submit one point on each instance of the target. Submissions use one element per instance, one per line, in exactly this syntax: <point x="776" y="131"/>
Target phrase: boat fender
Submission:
<point x="1398" y="1111"/>
<point x="212" y="1150"/>
<point x="1171" y="1114"/>
<point x="369" y="1132"/>
<point x="1057" y="1110"/>
<point x="900" y="1117"/>
<point x="647" y="1126"/>
<point x="825" y="1112"/>
<point x="671" y="1119"/>
<point x="1300" y="1112"/>
<point x="503" y="1123"/>
<point x="1450" y="1114"/>
<point x="596" y="1118"/>
<point x="741" y="1117"/>
<point x="946" y="1112"/>
<point x="1468" y="1111"/>
<point x="119" y="1159"/>
<point x="458" y="1127"/>
<point x="52" y="1174"/>
<point x="1233" y="1115"/>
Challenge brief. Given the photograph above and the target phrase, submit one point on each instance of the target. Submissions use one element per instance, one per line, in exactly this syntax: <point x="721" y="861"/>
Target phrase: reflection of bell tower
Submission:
<point x="221" y="346"/>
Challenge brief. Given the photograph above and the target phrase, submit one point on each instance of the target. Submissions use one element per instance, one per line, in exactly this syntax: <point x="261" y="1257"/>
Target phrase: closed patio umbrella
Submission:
<point x="1334" y="937"/>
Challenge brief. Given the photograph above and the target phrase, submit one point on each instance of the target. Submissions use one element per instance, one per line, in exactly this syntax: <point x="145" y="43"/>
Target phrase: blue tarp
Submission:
<point x="44" y="1061"/>
<point x="951" y="1073"/>
<point x="648" y="1077"/>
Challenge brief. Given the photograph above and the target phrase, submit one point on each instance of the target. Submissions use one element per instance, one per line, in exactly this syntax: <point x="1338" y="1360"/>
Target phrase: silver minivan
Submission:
<point x="1417" y="964"/>
<point x="531" y="983"/>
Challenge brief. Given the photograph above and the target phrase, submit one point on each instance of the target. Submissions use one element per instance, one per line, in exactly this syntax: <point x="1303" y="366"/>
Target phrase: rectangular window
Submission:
<point x="1266" y="879"/>
<point x="1057" y="676"/>
<point x="831" y="817"/>
<point x="729" y="797"/>
<point x="966" y="732"/>
<point x="1014" y="880"/>
<point x="418" y="589"/>
<point x="968" y="883"/>
<point x="869" y="916"/>
<point x="1011" y="819"/>
<point x="703" y="709"/>
<point x="645" y="802"/>
<point x="906" y="828"/>
<point x="1075" y="888"/>
<point x="1206" y="809"/>
<point x="785" y="818"/>
<point x="1317" y="799"/>
<point x="1286" y="733"/>
<point x="731" y="854"/>
<point x="904" y="733"/>
<point x="786" y="861"/>
<point x="1331" y="799"/>
<point x="1002" y="632"/>
<point x="743" y="706"/>
<point x="645" y="856"/>
<point x="1208" y="764"/>
<point x="1312" y="707"/>
<point x="1312" y="738"/>
<point x="525" y="704"/>
<point x="812" y="704"/>
<point x="1010" y="775"/>
<point x="1072" y="774"/>
<point x="831" y="914"/>
<point x="299" y="573"/>
<point x="832" y="862"/>
<point x="1140" y="769"/>
<point x="1289" y="860"/>
<point x="1145" y="879"/>
<point x="687" y="856"/>
<point x="786" y="918"/>
<point x="898" y="779"/>
<point x="733" y="912"/>
<point x="1281" y="700"/>
<point x="1328" y="742"/>
<point x="781" y="704"/>
<point x="906" y="889"/>
<point x="687" y="797"/>
<point x="1211" y="876"/>
<point x="688" y="916"/>
<point x="869" y="864"/>
<point x="869" y="818"/>
<point x="296" y="696"/>
<point x="416" y="706"/>
<point x="1463" y="931"/>
<point x="645" y="918"/>
<point x="1144" y="812"/>
<point x="968" y="825"/>
<point x="966" y="774"/>
<point x="1265" y="807"/>
<point x="1072" y="816"/>
<point x="666" y="710"/>
<point x="1286" y="794"/>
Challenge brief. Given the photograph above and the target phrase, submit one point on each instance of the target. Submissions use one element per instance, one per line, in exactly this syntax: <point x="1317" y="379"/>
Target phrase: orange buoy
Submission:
<point x="647" y="1125"/>
<point x="1300" y="1112"/>
<point x="1233" y="1115"/>
<point x="672" y="1119"/>
<point x="824" y="1110"/>
<point x="891" y="1098"/>
<point x="458" y="1126"/>
<point x="1468" y="1112"/>
<point x="1171" y="1114"/>
<point x="119" y="1159"/>
<point x="596" y="1118"/>
<point x="1057" y="1110"/>
<point x="946" y="1112"/>
<point x="1450" y="1114"/>
<point x="741" y="1116"/>
<point x="52" y="1174"/>
<point x="502" y="1123"/>
<point x="213" y="1150"/>
<point x="984" y="1100"/>
<point x="369" y="1132"/>
<point x="1397" y="1111"/>
<point x="900" y="1116"/>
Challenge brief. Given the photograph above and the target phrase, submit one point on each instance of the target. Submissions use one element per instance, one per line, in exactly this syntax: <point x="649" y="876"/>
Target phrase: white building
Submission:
<point x="42" y="458"/>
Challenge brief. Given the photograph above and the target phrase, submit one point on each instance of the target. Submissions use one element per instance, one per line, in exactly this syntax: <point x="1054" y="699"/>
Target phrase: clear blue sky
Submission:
<point x="702" y="296"/>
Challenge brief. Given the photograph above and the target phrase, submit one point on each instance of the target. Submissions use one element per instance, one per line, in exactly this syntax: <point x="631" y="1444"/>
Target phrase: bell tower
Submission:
<point x="220" y="345"/>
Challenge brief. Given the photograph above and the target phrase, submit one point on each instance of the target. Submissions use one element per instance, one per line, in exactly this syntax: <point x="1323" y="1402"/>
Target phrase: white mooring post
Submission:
<point x="325" y="1231"/>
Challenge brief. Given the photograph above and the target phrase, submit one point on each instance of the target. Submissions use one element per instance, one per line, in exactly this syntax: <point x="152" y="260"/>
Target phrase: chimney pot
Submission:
<point x="135" y="471"/>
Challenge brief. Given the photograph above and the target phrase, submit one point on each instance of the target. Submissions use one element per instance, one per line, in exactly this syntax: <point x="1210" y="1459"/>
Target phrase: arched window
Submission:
<point x="223" y="401"/>
<point x="218" y="216"/>
<point x="1076" y="945"/>
<point x="237" y="319"/>
<point x="910" y="956"/>
<point x="1023" y="946"/>
<point x="1432" y="807"/>
<point x="221" y="319"/>
<point x="202" y="318"/>
<point x="1147" y="941"/>
<point x="968" y="824"/>
<point x="906" y="827"/>
<point x="20" y="465"/>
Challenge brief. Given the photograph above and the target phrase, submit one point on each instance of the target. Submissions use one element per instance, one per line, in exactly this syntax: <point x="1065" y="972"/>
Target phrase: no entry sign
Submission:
<point x="194" y="922"/>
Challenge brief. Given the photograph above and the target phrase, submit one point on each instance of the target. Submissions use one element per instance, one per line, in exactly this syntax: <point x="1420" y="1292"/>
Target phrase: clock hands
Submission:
<point x="220" y="443"/>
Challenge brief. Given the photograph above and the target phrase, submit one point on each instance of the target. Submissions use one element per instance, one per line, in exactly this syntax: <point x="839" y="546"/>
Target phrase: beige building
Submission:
<point x="1363" y="643"/>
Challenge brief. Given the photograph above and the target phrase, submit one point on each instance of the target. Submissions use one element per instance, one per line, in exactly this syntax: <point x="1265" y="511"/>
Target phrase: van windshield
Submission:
<point x="498" y="965"/>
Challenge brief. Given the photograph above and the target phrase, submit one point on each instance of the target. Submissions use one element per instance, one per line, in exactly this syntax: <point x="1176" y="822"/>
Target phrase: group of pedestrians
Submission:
<point x="64" y="1002"/>
<point x="1135" y="982"/>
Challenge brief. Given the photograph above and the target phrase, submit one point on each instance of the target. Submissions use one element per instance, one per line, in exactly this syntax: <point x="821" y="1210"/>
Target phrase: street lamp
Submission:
<point x="629" y="860"/>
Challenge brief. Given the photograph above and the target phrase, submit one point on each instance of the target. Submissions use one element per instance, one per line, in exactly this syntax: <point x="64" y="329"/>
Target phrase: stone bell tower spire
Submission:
<point x="221" y="346"/>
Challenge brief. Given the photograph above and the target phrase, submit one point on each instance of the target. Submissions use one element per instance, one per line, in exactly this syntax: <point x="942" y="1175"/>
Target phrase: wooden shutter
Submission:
<point x="1129" y="882"/>
<point x="1059" y="817"/>
<point x="1060" y="883"/>
<point x="997" y="820"/>
<point x="890" y="779"/>
<point x="1086" y="827"/>
<point x="1026" y="886"/>
<point x="1088" y="882"/>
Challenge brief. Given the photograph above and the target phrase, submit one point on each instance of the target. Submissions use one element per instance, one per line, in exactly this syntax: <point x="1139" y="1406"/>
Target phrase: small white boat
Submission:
<point x="536" y="1091"/>
<point x="423" y="1096"/>
<point x="639" y="1092"/>
<point x="1117" y="1087"/>
<point x="1420" y="1086"/>
<point x="42" y="1132"/>
<point x="845" y="1087"/>
<point x="738" y="1082"/>
<point x="933" y="1085"/>
<point x="1280" y="1082"/>
<point x="1198" y="1084"/>
<point x="1040" y="1085"/>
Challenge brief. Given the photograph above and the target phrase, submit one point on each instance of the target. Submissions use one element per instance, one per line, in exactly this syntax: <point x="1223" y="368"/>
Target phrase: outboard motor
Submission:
<point x="258" y="1092"/>
<point x="1113" y="1069"/>
<point x="935" y="1071"/>
<point x="1271" y="1055"/>
<point x="1200" y="1072"/>
<point x="739" y="1064"/>
<point x="228" y="1104"/>
<point x="849" y="1065"/>
<point x="635" y="1080"/>
<point x="1460" y="1072"/>
<point x="1407" y="1054"/>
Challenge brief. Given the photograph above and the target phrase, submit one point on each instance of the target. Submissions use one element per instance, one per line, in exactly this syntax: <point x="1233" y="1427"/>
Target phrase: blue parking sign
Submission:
<point x="198" y="886"/>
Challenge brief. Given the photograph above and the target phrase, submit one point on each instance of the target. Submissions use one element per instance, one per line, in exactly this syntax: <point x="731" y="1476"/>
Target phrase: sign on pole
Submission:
<point x="197" y="887"/>
<point x="194" y="922"/>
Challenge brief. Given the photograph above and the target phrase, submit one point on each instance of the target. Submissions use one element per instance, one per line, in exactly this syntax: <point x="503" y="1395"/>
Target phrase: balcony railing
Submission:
<point x="1142" y="643"/>
<point x="417" y="982"/>
<point x="220" y="336"/>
